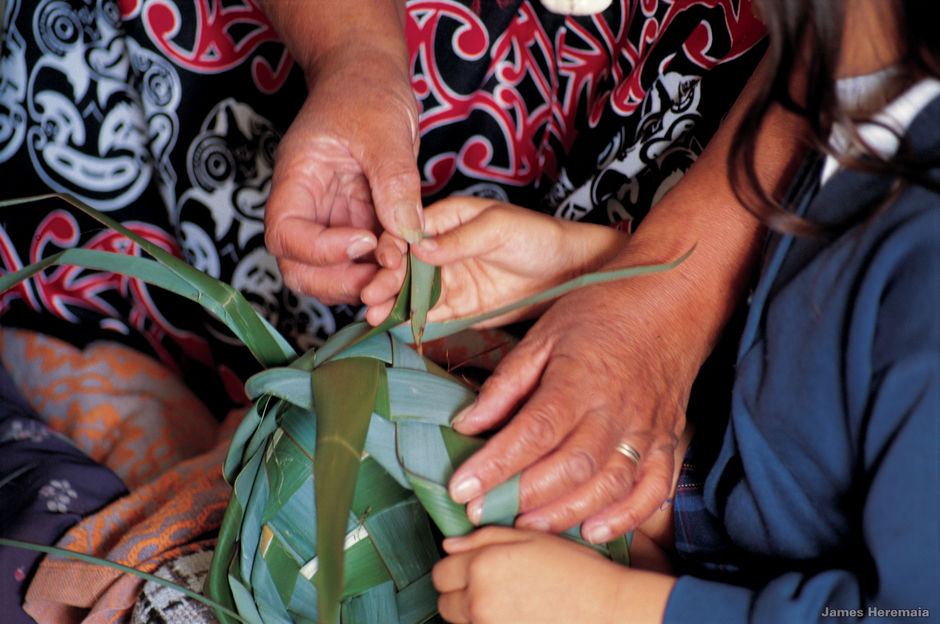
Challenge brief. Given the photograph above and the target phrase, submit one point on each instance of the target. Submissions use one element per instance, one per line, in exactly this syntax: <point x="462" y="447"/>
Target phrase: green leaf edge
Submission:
<point x="227" y="303"/>
<point x="54" y="550"/>
<point x="433" y="331"/>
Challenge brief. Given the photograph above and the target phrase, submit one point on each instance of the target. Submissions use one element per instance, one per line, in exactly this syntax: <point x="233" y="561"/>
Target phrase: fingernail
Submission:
<point x="597" y="535"/>
<point x="461" y="415"/>
<point x="428" y="244"/>
<point x="409" y="222"/>
<point x="465" y="489"/>
<point x="475" y="511"/>
<point x="360" y="247"/>
<point x="411" y="235"/>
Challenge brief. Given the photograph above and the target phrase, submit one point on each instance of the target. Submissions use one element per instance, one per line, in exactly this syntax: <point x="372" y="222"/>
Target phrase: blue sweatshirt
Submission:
<point x="826" y="478"/>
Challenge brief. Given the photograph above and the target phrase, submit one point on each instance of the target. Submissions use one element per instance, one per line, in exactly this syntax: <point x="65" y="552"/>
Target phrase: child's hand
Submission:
<point x="504" y="575"/>
<point x="492" y="254"/>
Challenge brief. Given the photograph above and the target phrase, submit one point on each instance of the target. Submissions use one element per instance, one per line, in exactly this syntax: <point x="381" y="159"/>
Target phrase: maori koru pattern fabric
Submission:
<point x="167" y="114"/>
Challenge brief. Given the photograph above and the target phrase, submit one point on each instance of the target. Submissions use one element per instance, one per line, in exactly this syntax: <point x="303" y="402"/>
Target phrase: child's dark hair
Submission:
<point x="797" y="26"/>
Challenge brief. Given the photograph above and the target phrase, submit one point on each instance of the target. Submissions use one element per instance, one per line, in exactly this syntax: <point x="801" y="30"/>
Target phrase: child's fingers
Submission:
<point x="452" y="212"/>
<point x="450" y="574"/>
<point x="486" y="536"/>
<point x="384" y="286"/>
<point x="380" y="293"/>
<point x="474" y="238"/>
<point x="378" y="313"/>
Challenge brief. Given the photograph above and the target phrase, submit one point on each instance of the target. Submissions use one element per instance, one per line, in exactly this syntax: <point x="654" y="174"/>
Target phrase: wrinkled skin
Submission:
<point x="346" y="168"/>
<point x="615" y="362"/>
<point x="605" y="364"/>
<point x="574" y="377"/>
<point x="574" y="405"/>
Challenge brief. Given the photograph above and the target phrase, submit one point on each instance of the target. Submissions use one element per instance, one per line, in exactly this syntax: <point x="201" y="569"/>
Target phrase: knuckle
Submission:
<point x="499" y="382"/>
<point x="398" y="177"/>
<point x="613" y="484"/>
<point x="563" y="519"/>
<point x="578" y="467"/>
<point x="652" y="492"/>
<point x="497" y="469"/>
<point x="626" y="520"/>
<point x="541" y="429"/>
<point x="292" y="280"/>
<point x="477" y="568"/>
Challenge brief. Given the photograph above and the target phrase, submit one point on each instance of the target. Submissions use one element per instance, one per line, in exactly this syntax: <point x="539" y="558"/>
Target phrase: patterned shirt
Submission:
<point x="166" y="114"/>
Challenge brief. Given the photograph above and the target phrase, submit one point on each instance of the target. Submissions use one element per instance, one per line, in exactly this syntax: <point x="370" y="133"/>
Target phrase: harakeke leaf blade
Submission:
<point x="131" y="266"/>
<point x="264" y="342"/>
<point x="423" y="277"/>
<point x="433" y="331"/>
<point x="358" y="332"/>
<point x="344" y="393"/>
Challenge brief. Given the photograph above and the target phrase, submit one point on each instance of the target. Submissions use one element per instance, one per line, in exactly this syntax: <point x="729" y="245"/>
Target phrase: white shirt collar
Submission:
<point x="892" y="122"/>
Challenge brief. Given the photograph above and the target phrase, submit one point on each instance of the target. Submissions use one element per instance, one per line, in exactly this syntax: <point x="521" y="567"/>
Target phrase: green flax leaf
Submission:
<point x="419" y="292"/>
<point x="264" y="342"/>
<point x="358" y="332"/>
<point x="501" y="504"/>
<point x="130" y="266"/>
<point x="288" y="383"/>
<point x="344" y="393"/>
<point x="450" y="517"/>
<point x="422" y="291"/>
<point x="447" y="328"/>
<point x="62" y="552"/>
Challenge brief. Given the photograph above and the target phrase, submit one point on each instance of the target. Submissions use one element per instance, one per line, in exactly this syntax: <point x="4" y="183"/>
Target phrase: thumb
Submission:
<point x="472" y="239"/>
<point x="392" y="172"/>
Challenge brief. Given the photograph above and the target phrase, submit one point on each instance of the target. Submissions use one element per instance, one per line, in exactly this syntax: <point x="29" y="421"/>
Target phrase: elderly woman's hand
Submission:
<point x="604" y="365"/>
<point x="592" y="401"/>
<point x="597" y="390"/>
<point x="346" y="169"/>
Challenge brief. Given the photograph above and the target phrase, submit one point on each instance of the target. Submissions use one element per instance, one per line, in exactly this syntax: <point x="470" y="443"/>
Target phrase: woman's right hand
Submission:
<point x="346" y="169"/>
<point x="491" y="254"/>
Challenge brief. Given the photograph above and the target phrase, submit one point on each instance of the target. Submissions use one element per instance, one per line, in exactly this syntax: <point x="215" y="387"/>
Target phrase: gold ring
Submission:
<point x="629" y="451"/>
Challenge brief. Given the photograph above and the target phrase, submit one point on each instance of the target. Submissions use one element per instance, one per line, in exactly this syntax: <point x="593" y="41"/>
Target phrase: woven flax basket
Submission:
<point x="339" y="470"/>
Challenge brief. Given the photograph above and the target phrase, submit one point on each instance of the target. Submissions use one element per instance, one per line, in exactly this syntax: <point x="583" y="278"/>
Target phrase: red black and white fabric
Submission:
<point x="166" y="114"/>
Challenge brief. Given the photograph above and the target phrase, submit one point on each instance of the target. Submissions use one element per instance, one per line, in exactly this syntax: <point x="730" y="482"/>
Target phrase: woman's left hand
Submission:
<point x="500" y="575"/>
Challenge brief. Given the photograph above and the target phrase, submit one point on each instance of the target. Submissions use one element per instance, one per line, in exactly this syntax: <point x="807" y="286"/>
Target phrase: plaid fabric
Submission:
<point x="703" y="546"/>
